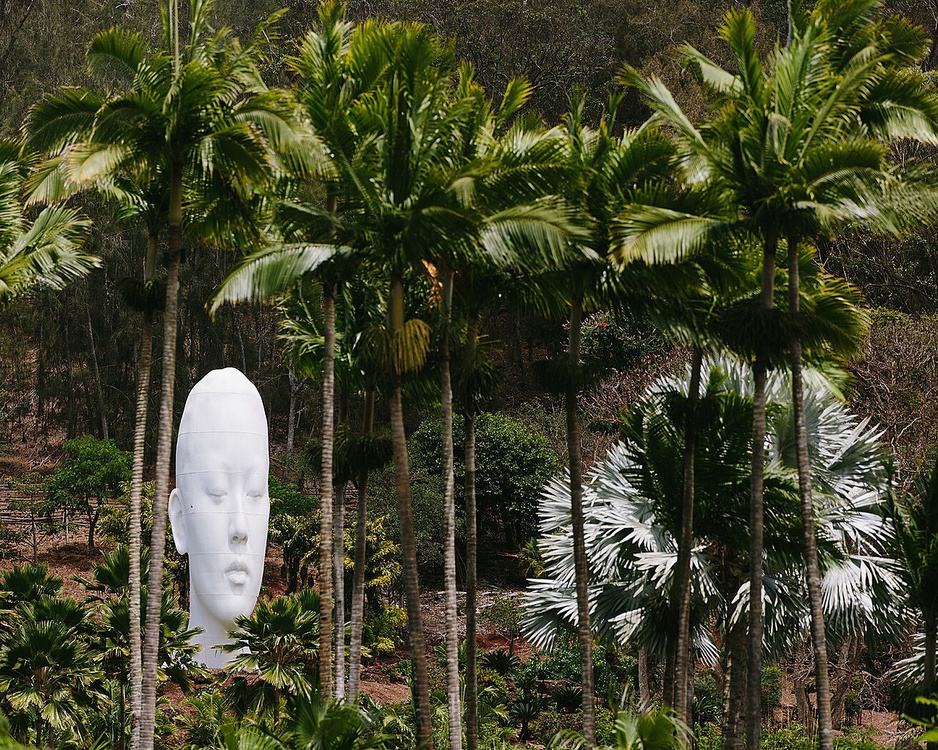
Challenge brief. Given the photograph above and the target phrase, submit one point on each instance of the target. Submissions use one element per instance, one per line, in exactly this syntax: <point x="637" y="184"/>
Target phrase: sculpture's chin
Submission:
<point x="226" y="608"/>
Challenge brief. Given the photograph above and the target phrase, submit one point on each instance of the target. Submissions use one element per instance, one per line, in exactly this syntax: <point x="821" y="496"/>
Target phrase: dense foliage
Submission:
<point x="477" y="244"/>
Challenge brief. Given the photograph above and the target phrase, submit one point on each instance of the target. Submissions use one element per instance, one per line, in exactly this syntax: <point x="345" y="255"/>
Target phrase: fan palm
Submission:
<point x="633" y="515"/>
<point x="795" y="149"/>
<point x="279" y="640"/>
<point x="44" y="634"/>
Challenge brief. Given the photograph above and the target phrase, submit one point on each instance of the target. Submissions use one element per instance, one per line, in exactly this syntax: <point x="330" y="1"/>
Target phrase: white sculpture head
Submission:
<point x="220" y="507"/>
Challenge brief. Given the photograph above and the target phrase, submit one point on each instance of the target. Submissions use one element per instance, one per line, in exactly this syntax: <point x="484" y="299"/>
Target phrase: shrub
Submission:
<point x="287" y="498"/>
<point x="708" y="703"/>
<point x="490" y="679"/>
<point x="618" y="341"/>
<point x="568" y="697"/>
<point x="383" y="631"/>
<point x="708" y="736"/>
<point x="513" y="464"/>
<point x="771" y="688"/>
<point x="501" y="661"/>
<point x="791" y="738"/>
<point x="504" y="615"/>
<point x="550" y="722"/>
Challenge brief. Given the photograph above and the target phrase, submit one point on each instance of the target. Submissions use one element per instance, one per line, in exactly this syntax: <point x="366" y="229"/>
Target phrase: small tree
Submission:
<point x="91" y="473"/>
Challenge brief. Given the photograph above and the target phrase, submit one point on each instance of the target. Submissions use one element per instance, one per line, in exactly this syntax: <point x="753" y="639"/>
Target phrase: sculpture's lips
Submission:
<point x="237" y="573"/>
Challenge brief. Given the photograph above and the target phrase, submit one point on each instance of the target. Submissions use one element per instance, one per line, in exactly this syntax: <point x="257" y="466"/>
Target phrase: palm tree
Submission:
<point x="43" y="253"/>
<point x="338" y="72"/>
<point x="356" y="454"/>
<point x="822" y="169"/>
<point x="199" y="121"/>
<point x="609" y="174"/>
<point x="405" y="198"/>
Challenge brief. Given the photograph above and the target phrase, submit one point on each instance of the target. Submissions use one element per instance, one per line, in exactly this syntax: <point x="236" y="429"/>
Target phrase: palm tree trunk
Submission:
<point x="581" y="571"/>
<point x="291" y="414"/>
<point x="756" y="512"/>
<point x="449" y="527"/>
<point x="472" y="543"/>
<point x="418" y="654"/>
<point x="136" y="492"/>
<point x="326" y="540"/>
<point x="361" y="546"/>
<point x="644" y="689"/>
<point x="683" y="659"/>
<point x="818" y="637"/>
<point x="136" y="531"/>
<point x="734" y="688"/>
<point x="339" y="567"/>
<point x="99" y="389"/>
<point x="164" y="445"/>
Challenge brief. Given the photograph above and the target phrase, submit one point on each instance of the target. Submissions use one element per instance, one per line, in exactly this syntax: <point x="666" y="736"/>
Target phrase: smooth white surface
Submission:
<point x="220" y="507"/>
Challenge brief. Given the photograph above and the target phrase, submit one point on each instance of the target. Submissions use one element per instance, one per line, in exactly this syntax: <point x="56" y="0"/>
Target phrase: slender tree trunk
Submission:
<point x="813" y="568"/>
<point x="683" y="658"/>
<point x="472" y="544"/>
<point x="291" y="415"/>
<point x="644" y="691"/>
<point x="842" y="678"/>
<point x="734" y="688"/>
<point x="92" y="524"/>
<point x="99" y="389"/>
<point x="756" y="512"/>
<point x="339" y="567"/>
<point x="361" y="547"/>
<point x="136" y="493"/>
<point x="584" y="634"/>
<point x="164" y="446"/>
<point x="326" y="536"/>
<point x="418" y="654"/>
<point x="449" y="526"/>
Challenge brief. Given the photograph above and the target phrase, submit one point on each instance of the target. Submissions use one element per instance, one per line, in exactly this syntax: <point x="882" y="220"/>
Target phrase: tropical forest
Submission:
<point x="588" y="348"/>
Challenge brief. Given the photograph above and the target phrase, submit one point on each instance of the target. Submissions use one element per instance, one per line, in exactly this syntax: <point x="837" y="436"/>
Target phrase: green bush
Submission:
<point x="287" y="498"/>
<point x="791" y="738"/>
<point x="384" y="629"/>
<point x="771" y="688"/>
<point x="618" y="341"/>
<point x="550" y="722"/>
<point x="708" y="736"/>
<point x="708" y="702"/>
<point x="489" y="678"/>
<point x="856" y="743"/>
<point x="513" y="464"/>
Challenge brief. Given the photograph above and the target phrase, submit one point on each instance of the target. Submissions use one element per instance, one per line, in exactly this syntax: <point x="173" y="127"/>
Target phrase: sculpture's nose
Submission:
<point x="238" y="529"/>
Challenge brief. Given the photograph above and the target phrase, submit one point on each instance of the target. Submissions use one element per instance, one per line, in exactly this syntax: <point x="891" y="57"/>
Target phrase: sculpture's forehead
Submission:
<point x="223" y="427"/>
<point x="221" y="453"/>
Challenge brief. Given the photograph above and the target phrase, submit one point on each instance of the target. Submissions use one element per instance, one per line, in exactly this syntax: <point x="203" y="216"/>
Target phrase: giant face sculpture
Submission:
<point x="220" y="507"/>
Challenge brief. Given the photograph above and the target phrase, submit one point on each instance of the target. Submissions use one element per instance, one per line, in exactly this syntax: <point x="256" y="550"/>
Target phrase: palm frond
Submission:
<point x="271" y="271"/>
